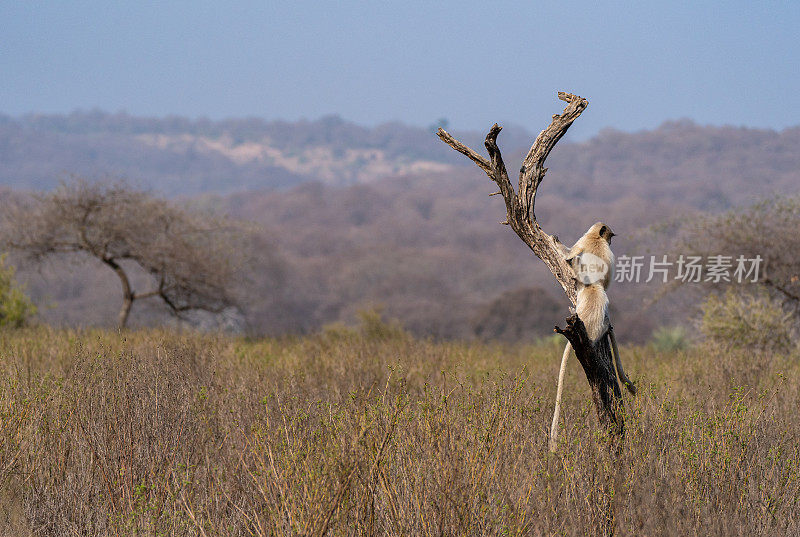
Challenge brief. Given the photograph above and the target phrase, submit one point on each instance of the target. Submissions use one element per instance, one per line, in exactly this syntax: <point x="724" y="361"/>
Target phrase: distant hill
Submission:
<point x="425" y="244"/>
<point x="680" y="162"/>
<point x="179" y="156"/>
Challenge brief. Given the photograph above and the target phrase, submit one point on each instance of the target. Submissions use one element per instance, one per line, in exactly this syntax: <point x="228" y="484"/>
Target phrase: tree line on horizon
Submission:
<point x="295" y="262"/>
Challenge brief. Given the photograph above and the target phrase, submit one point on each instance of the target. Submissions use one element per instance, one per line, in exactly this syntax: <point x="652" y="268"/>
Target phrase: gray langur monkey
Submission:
<point x="591" y="257"/>
<point x="592" y="308"/>
<point x="593" y="263"/>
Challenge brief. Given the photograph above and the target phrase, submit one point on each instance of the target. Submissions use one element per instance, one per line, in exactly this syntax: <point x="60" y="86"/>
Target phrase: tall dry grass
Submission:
<point x="373" y="433"/>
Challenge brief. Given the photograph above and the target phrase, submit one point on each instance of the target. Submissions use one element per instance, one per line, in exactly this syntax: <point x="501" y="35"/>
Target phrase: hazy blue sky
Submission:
<point x="639" y="63"/>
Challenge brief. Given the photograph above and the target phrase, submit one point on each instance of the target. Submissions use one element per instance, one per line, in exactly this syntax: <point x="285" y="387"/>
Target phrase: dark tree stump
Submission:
<point x="598" y="364"/>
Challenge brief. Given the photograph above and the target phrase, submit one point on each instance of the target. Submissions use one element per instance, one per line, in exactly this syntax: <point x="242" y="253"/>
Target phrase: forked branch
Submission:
<point x="533" y="170"/>
<point x="520" y="205"/>
<point x="596" y="359"/>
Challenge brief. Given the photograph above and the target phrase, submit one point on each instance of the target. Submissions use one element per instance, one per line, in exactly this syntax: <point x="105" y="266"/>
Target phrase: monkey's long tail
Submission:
<point x="618" y="363"/>
<point x="553" y="443"/>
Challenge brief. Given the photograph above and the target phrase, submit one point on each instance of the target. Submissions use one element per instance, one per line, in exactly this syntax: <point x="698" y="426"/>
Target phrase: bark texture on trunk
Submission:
<point x="128" y="295"/>
<point x="598" y="364"/>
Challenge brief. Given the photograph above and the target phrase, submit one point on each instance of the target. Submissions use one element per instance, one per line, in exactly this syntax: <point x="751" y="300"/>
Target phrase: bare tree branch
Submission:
<point x="519" y="207"/>
<point x="461" y="148"/>
<point x="533" y="170"/>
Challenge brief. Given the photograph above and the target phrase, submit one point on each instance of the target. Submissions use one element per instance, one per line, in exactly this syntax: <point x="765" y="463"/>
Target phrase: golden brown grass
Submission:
<point x="373" y="433"/>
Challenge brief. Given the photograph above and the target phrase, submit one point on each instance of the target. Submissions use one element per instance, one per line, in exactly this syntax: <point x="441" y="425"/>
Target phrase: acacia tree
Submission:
<point x="187" y="259"/>
<point x="595" y="358"/>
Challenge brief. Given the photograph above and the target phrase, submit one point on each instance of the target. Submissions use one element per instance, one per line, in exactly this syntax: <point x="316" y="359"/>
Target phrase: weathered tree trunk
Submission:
<point x="128" y="296"/>
<point x="596" y="359"/>
<point x="124" y="312"/>
<point x="598" y="364"/>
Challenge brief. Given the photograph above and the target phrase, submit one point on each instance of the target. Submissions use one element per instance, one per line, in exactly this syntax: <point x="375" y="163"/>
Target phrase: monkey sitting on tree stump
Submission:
<point x="595" y="356"/>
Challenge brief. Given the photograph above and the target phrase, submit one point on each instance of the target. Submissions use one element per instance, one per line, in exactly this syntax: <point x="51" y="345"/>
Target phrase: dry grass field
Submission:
<point x="371" y="432"/>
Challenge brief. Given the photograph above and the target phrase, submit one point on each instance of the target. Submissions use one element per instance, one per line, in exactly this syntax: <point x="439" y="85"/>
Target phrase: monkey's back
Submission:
<point x="591" y="307"/>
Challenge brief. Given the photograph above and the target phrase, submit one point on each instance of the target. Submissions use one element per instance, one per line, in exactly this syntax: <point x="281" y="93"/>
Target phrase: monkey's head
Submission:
<point x="602" y="231"/>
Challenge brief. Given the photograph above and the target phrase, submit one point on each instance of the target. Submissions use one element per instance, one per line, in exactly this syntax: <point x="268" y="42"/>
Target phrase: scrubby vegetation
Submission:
<point x="16" y="309"/>
<point x="670" y="339"/>
<point x="427" y="245"/>
<point x="369" y="431"/>
<point x="746" y="320"/>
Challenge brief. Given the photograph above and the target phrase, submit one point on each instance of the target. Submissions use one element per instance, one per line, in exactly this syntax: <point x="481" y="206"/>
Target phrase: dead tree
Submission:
<point x="596" y="359"/>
